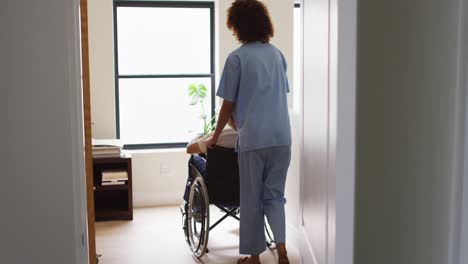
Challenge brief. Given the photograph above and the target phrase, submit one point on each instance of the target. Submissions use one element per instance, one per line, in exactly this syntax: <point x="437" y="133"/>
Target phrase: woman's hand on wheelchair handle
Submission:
<point x="211" y="142"/>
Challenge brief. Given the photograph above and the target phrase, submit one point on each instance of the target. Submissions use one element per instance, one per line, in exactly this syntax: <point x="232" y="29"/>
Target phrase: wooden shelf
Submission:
<point x="111" y="187"/>
<point x="113" y="215"/>
<point x="110" y="160"/>
<point x="112" y="202"/>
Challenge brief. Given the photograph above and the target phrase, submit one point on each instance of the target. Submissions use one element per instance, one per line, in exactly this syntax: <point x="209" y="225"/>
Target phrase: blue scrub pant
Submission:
<point x="262" y="182"/>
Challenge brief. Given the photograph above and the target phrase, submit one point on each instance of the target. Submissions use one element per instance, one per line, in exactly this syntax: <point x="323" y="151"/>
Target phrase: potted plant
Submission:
<point x="197" y="95"/>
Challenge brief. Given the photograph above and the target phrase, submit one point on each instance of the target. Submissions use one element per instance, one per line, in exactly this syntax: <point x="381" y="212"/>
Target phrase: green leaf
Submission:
<point x="202" y="87"/>
<point x="202" y="94"/>
<point x="192" y="90"/>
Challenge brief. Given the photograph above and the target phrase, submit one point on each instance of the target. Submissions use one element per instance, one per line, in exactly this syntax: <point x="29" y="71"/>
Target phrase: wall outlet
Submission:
<point x="164" y="170"/>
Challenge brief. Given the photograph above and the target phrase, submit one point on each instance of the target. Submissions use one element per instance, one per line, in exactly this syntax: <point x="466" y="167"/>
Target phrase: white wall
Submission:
<point x="281" y="13"/>
<point x="316" y="130"/>
<point x="42" y="153"/>
<point x="408" y="122"/>
<point x="160" y="177"/>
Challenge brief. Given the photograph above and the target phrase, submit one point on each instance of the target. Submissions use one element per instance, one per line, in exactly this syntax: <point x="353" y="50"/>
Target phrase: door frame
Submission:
<point x="81" y="125"/>
<point x="338" y="250"/>
<point x="342" y="129"/>
<point x="341" y="145"/>
<point x="86" y="101"/>
<point x="76" y="126"/>
<point x="75" y="103"/>
<point x="342" y="69"/>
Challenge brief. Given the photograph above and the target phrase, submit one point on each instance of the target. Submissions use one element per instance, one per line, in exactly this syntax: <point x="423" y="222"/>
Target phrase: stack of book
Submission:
<point x="114" y="177"/>
<point x="107" y="149"/>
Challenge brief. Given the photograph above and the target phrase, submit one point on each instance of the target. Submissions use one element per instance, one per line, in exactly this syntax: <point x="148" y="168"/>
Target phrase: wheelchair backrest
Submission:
<point x="222" y="168"/>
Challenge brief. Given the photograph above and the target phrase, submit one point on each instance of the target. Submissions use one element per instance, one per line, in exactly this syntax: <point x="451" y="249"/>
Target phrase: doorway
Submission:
<point x="338" y="32"/>
<point x="151" y="167"/>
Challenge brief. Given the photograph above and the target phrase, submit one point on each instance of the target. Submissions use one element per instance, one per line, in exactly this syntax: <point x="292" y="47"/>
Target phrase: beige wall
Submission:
<point x="101" y="60"/>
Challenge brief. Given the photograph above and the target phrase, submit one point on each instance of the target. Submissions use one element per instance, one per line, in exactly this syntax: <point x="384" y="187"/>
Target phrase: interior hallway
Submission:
<point x="155" y="236"/>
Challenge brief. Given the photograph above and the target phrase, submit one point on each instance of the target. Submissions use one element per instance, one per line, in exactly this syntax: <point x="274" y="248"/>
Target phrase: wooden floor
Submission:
<point x="155" y="236"/>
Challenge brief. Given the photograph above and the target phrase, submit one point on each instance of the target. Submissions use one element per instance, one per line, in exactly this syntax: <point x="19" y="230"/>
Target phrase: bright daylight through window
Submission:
<point x="160" y="51"/>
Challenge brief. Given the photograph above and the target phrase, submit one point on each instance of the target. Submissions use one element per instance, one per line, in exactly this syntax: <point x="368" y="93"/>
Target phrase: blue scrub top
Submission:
<point x="254" y="79"/>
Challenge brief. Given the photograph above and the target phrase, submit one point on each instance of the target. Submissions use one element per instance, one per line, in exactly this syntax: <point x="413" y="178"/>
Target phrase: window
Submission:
<point x="161" y="48"/>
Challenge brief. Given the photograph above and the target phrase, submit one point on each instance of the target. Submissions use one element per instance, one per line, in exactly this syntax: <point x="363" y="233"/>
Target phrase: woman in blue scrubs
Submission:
<point x="254" y="87"/>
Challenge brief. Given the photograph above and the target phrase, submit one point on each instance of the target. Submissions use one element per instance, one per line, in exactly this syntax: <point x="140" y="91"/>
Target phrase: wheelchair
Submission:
<point x="221" y="189"/>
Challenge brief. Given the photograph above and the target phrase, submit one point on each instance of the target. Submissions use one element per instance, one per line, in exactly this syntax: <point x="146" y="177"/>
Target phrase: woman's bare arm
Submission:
<point x="223" y="119"/>
<point x="193" y="148"/>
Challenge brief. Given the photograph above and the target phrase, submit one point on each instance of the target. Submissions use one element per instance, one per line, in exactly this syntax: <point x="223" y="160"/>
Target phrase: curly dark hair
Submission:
<point x="250" y="21"/>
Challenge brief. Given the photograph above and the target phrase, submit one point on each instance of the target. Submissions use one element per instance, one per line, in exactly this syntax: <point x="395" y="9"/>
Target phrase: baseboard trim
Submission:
<point x="297" y="238"/>
<point x="293" y="238"/>
<point x="306" y="250"/>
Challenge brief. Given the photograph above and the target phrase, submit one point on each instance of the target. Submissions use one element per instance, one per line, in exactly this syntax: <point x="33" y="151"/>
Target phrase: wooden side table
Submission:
<point x="112" y="202"/>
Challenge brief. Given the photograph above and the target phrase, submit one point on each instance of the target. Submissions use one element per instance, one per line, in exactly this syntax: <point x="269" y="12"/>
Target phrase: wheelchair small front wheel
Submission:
<point x="198" y="217"/>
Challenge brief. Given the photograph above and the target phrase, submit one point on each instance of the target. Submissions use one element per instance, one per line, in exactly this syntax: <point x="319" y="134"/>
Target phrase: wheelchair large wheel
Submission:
<point x="198" y="217"/>
<point x="270" y="242"/>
